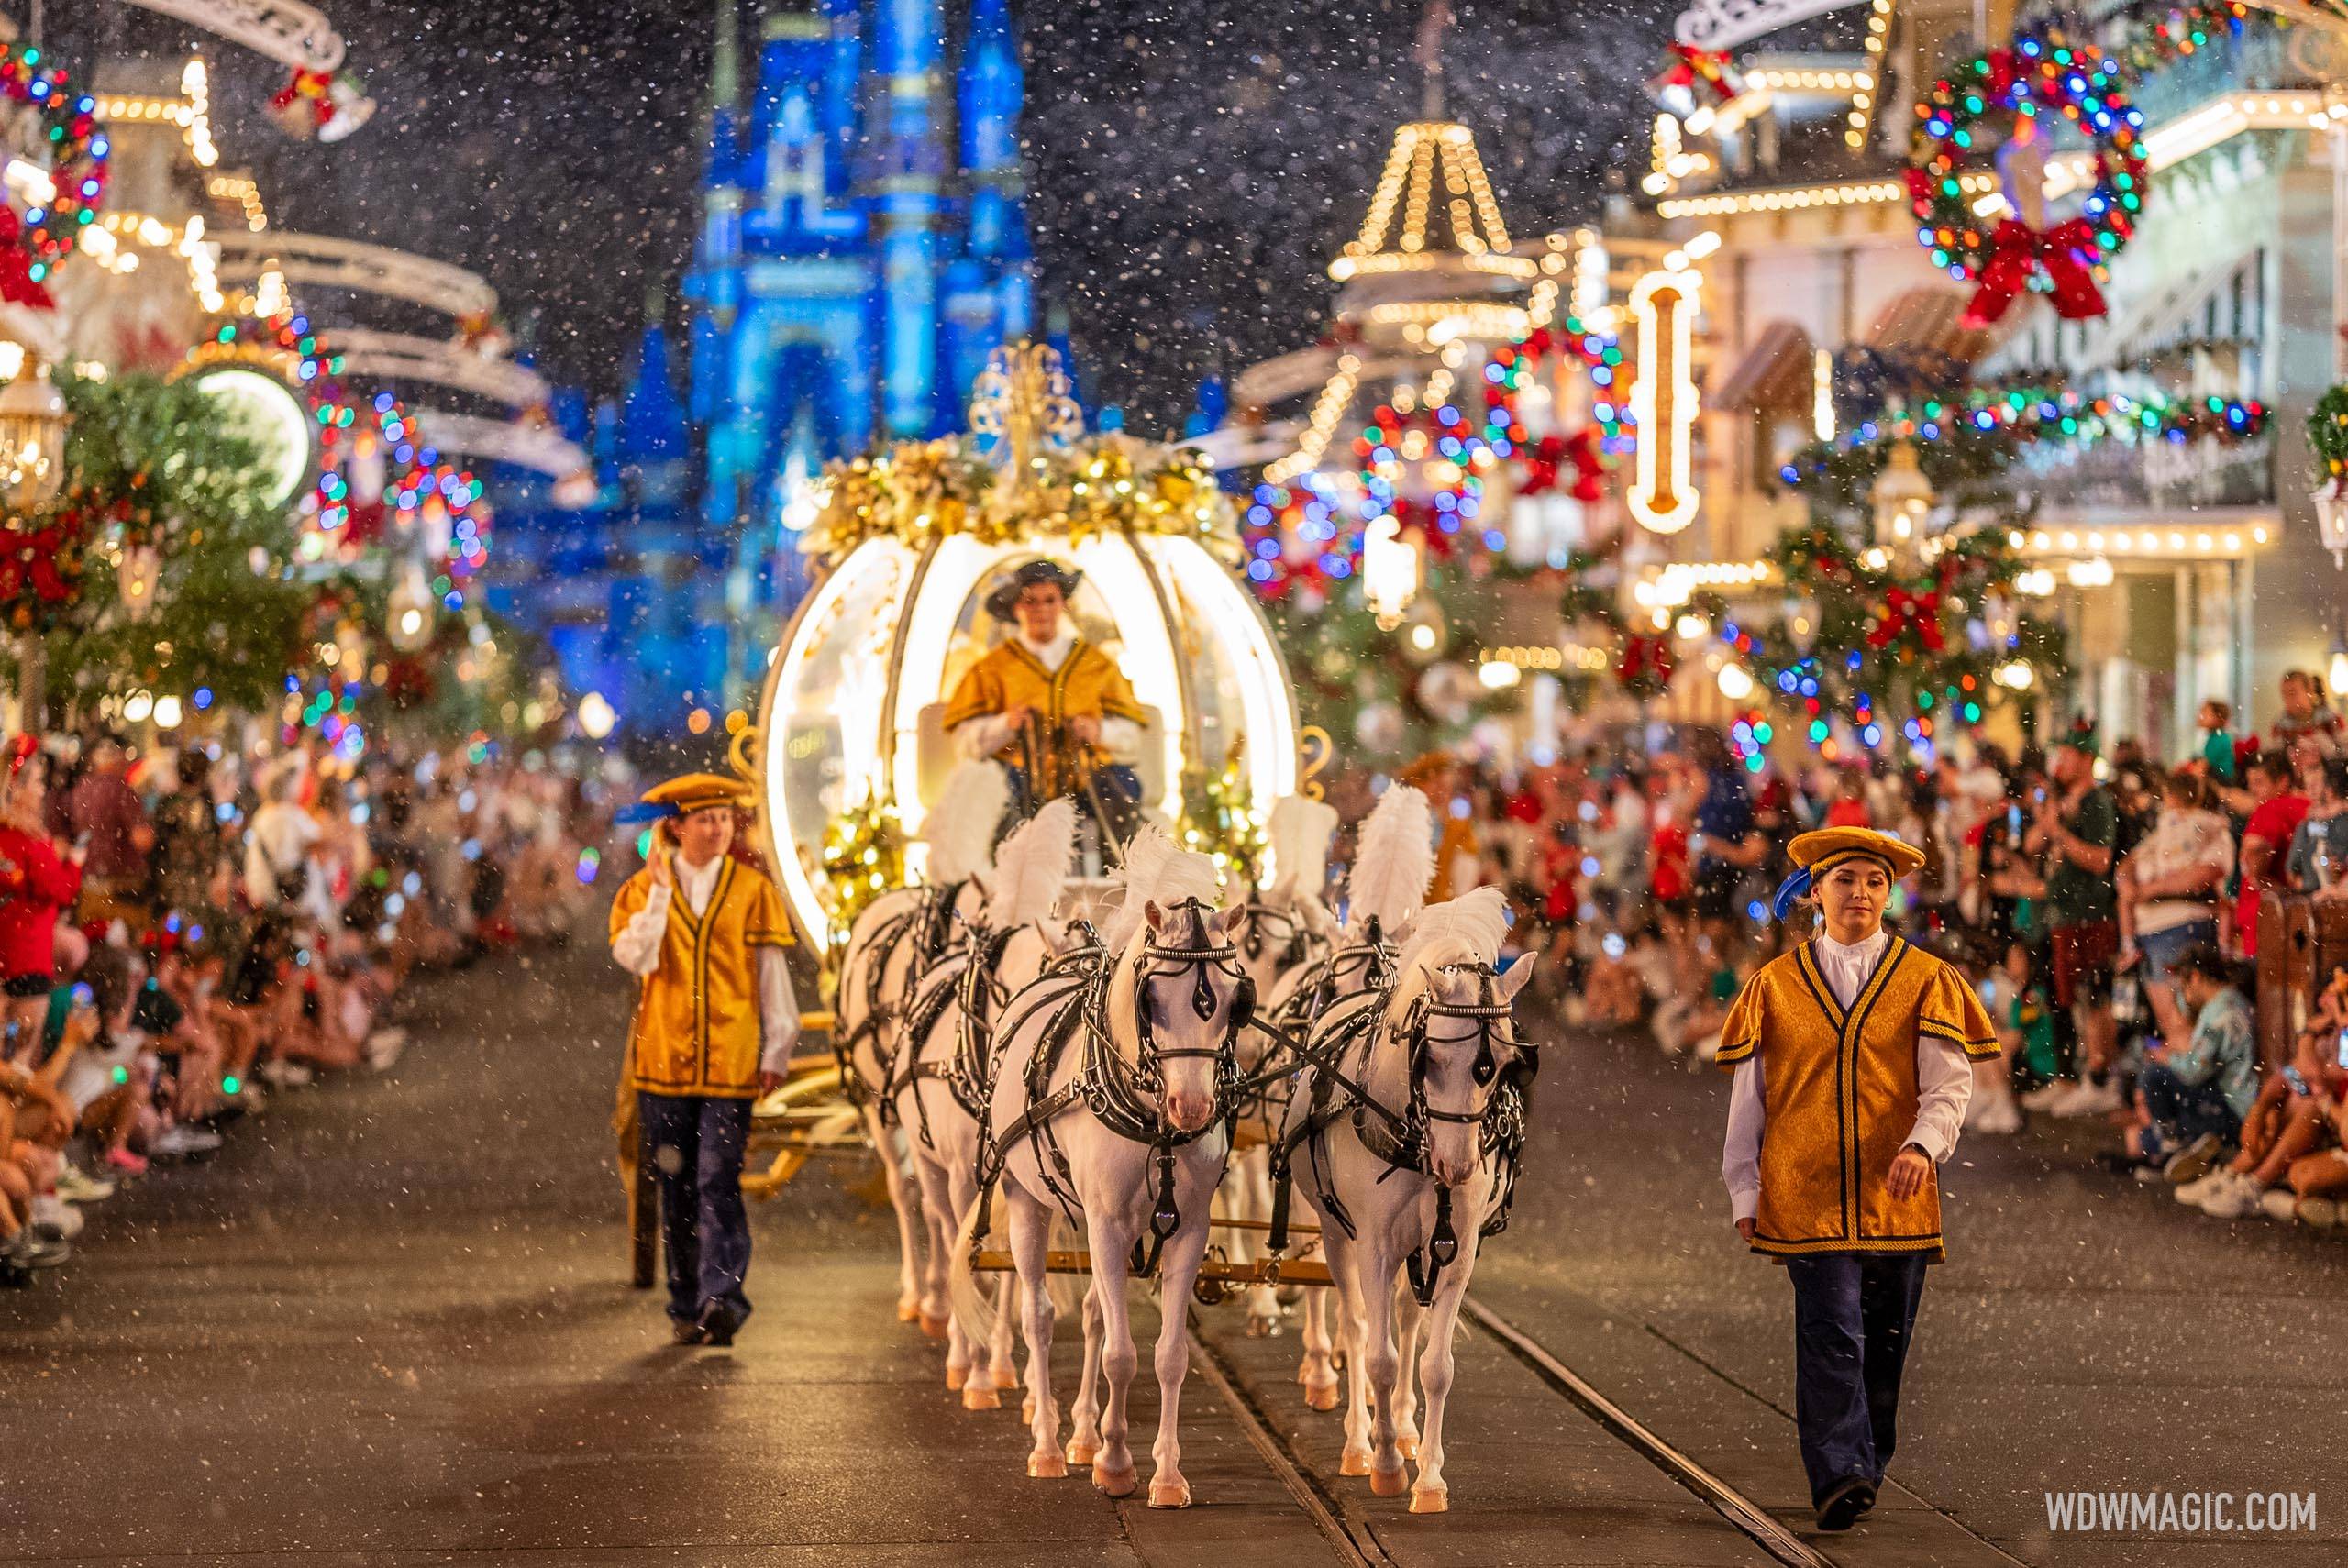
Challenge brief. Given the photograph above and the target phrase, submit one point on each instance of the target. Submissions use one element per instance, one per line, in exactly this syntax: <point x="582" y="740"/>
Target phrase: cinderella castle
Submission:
<point x="863" y="244"/>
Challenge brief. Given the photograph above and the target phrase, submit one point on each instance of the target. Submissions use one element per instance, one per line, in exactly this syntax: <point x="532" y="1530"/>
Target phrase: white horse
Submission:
<point x="1385" y="890"/>
<point x="943" y="1071"/>
<point x="1109" y="1108"/>
<point x="1404" y="1140"/>
<point x="1288" y="932"/>
<point x="895" y="940"/>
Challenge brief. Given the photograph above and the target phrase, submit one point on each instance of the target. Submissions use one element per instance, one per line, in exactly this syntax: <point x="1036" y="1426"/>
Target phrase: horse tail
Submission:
<point x="970" y="1303"/>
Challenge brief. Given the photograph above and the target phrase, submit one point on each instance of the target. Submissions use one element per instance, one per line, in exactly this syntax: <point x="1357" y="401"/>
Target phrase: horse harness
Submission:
<point x="977" y="989"/>
<point x="930" y="923"/>
<point x="1120" y="1095"/>
<point x="1401" y="1138"/>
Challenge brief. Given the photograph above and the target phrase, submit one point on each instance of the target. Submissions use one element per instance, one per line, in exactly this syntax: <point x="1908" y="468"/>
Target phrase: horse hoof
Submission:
<point x="933" y="1328"/>
<point x="1409" y="1446"/>
<point x="1047" y="1467"/>
<point x="954" y="1377"/>
<point x="1389" y="1483"/>
<point x="1353" y="1461"/>
<point x="1082" y="1452"/>
<point x="1431" y="1500"/>
<point x="976" y="1398"/>
<point x="1115" y="1483"/>
<point x="1005" y="1378"/>
<point x="1323" y="1398"/>
<point x="1262" y="1326"/>
<point x="1169" y="1494"/>
<point x="908" y="1311"/>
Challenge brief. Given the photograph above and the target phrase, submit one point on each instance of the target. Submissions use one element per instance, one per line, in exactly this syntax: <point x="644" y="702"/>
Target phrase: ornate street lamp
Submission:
<point x="32" y="441"/>
<point x="2331" y="521"/>
<point x="1903" y="499"/>
<point x="411" y="610"/>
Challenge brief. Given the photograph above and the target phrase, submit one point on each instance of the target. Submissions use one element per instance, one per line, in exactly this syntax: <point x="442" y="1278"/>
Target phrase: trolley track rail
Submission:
<point x="1355" y="1543"/>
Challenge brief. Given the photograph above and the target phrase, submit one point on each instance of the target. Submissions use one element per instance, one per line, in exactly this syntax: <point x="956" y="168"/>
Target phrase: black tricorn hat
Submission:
<point x="1005" y="596"/>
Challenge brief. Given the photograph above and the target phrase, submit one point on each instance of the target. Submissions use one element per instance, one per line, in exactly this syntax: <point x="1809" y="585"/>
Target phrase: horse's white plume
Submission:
<point x="960" y="831"/>
<point x="1297" y="833"/>
<point x="1393" y="862"/>
<point x="1470" y="927"/>
<point x="1157" y="870"/>
<point x="1032" y="867"/>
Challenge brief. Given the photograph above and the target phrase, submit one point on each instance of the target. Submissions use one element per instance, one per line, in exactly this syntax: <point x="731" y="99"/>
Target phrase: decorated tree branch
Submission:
<point x="176" y="567"/>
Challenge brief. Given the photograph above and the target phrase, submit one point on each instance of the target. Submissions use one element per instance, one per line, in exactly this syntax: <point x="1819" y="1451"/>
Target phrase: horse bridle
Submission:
<point x="1161" y="960"/>
<point x="1294" y="948"/>
<point x="1491" y="1015"/>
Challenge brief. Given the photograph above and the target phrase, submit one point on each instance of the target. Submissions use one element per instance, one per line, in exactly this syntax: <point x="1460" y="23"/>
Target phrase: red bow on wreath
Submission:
<point x="310" y="84"/>
<point x="1904" y="610"/>
<point x="2065" y="253"/>
<point x="1544" y="464"/>
<point x="16" y="285"/>
<point x="1688" y="66"/>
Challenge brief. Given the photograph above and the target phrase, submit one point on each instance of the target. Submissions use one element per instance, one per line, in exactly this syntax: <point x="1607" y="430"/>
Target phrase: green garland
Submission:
<point x="1892" y="654"/>
<point x="2328" y="437"/>
<point x="153" y="461"/>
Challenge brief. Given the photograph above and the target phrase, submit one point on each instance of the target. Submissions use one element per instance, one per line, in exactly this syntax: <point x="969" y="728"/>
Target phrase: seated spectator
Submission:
<point x="2191" y="1098"/>
<point x="39" y="880"/>
<point x="2293" y="1111"/>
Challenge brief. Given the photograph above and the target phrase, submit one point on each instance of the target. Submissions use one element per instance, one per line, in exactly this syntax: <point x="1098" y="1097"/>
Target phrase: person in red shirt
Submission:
<point x="1849" y="806"/>
<point x="2276" y="812"/>
<point x="36" y="885"/>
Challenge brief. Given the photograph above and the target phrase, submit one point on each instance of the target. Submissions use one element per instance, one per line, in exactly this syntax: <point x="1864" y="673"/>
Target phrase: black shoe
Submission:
<point x="1851" y="1497"/>
<point x="718" y="1325"/>
<point x="685" y="1332"/>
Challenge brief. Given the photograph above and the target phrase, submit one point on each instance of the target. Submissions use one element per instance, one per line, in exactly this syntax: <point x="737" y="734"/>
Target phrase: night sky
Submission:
<point x="1192" y="163"/>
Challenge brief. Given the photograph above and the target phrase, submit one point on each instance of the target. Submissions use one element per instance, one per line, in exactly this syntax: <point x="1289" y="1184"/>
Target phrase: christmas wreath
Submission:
<point x="34" y="246"/>
<point x="2042" y="75"/>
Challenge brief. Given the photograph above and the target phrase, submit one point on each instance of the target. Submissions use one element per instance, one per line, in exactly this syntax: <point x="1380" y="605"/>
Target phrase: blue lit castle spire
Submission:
<point x="863" y="245"/>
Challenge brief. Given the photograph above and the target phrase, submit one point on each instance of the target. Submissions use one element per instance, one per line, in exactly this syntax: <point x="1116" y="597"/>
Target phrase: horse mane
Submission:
<point x="1157" y="870"/>
<point x="960" y="831"/>
<point x="1393" y="862"/>
<point x="1032" y="867"/>
<point x="1297" y="833"/>
<point x="1467" y="930"/>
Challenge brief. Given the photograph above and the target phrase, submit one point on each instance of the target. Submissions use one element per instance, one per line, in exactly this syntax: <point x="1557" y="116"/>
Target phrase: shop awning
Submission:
<point x="1777" y="373"/>
<point x="1927" y="320"/>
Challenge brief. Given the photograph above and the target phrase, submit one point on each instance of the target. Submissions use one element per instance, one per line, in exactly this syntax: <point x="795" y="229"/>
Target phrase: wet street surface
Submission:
<point x="390" y="1324"/>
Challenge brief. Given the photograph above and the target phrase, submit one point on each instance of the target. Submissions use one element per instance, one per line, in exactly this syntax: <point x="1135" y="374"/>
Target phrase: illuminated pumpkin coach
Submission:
<point x="854" y="754"/>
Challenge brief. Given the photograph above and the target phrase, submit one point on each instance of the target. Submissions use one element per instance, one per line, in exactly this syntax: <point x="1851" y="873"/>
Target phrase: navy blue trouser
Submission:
<point x="2183" y="1112"/>
<point x="1853" y="1315"/>
<point x="696" y="1144"/>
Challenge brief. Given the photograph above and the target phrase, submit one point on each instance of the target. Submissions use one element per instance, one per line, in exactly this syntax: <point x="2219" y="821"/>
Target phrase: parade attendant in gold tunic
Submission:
<point x="714" y="1023"/>
<point x="1045" y="703"/>
<point x="1853" y="1060"/>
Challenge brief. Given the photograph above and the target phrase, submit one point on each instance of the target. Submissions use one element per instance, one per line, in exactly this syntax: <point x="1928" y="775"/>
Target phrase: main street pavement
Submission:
<point x="388" y="1325"/>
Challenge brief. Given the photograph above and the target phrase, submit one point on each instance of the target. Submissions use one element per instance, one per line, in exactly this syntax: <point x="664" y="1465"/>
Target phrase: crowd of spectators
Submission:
<point x="2104" y="902"/>
<point x="185" y="934"/>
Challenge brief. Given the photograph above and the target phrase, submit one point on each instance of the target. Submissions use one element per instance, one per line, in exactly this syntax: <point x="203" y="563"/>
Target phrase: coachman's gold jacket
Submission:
<point x="1088" y="682"/>
<point x="1839" y="1096"/>
<point x="696" y="1029"/>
